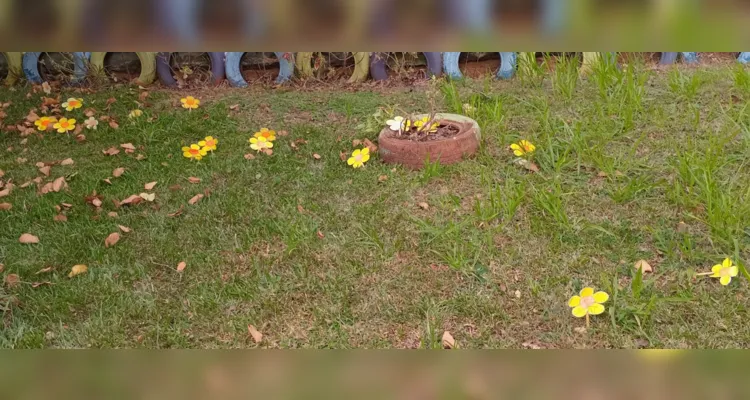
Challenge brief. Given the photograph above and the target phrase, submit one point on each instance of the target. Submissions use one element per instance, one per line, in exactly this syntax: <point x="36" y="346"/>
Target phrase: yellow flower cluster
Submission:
<point x="197" y="151"/>
<point x="263" y="140"/>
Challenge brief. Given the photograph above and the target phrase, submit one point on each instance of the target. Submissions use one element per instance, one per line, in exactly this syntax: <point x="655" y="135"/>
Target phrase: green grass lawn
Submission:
<point x="635" y="164"/>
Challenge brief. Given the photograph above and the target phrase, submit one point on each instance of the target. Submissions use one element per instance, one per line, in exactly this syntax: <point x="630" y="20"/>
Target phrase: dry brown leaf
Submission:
<point x="124" y="228"/>
<point x="59" y="184"/>
<point x="5" y="192"/>
<point x="12" y="280"/>
<point x="78" y="270"/>
<point x="144" y="94"/>
<point x="177" y="213"/>
<point x="140" y="157"/>
<point x="268" y="152"/>
<point x="32" y="116"/>
<point x="80" y="138"/>
<point x="424" y="206"/>
<point x="107" y="180"/>
<point x="66" y="205"/>
<point x="61" y="218"/>
<point x="2" y="173"/>
<point x="448" y="341"/>
<point x="112" y="151"/>
<point x="113" y="124"/>
<point x="527" y="164"/>
<point x="316" y="156"/>
<point x="112" y="239"/>
<point x="37" y="284"/>
<point x="96" y="202"/>
<point x="234" y="107"/>
<point x="150" y="185"/>
<point x="28" y="238"/>
<point x="382" y="178"/>
<point x="181" y="266"/>
<point x="132" y="200"/>
<point x="43" y="270"/>
<point x="644" y="266"/>
<point x="193" y="179"/>
<point x="343" y="156"/>
<point x="46" y="88"/>
<point x="67" y="161"/>
<point x="118" y="172"/>
<point x="112" y="214"/>
<point x="370" y="145"/>
<point x="301" y="209"/>
<point x="89" y="112"/>
<point x="321" y="235"/>
<point x="249" y="156"/>
<point x="5" y="206"/>
<point x="45" y="170"/>
<point x="195" y="199"/>
<point x="110" y="101"/>
<point x="257" y="336"/>
<point x="128" y="147"/>
<point x="49" y="101"/>
<point x="356" y="143"/>
<point x="282" y="133"/>
<point x="175" y="188"/>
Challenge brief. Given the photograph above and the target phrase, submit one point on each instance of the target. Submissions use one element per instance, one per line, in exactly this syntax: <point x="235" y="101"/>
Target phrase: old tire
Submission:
<point x="234" y="70"/>
<point x="448" y="151"/>
<point x="30" y="64"/>
<point x="15" y="67"/>
<point x="164" y="70"/>
<point x="744" y="57"/>
<point x="148" y="66"/>
<point x="378" y="66"/>
<point x="303" y="62"/>
<point x="508" y="63"/>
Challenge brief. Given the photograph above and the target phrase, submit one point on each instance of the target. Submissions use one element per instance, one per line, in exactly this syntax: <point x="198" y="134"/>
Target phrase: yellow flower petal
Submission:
<point x="727" y="263"/>
<point x="716" y="269"/>
<point x="515" y="147"/>
<point x="579" y="312"/>
<point x="350" y="161"/>
<point x="187" y="154"/>
<point x="356" y="152"/>
<point x="575" y="301"/>
<point x="254" y="146"/>
<point x="365" y="151"/>
<point x="365" y="158"/>
<point x="725" y="280"/>
<point x="202" y="143"/>
<point x="733" y="271"/>
<point x="586" y="292"/>
<point x="195" y="146"/>
<point x="269" y="145"/>
<point x="601" y="297"/>
<point x="185" y="148"/>
<point x="596" y="309"/>
<point x="518" y="153"/>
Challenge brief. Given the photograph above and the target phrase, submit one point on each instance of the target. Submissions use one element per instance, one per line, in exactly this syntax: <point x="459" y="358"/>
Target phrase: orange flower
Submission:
<point x="190" y="103"/>
<point x="72" y="104"/>
<point x="44" y="123"/>
<point x="209" y="143"/>
<point x="65" y="125"/>
<point x="269" y="135"/>
<point x="194" y="152"/>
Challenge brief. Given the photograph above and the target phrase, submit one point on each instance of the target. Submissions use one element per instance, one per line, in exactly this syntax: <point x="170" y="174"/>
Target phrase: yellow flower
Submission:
<point x="522" y="147"/>
<point x="422" y="125"/>
<point x="135" y="113"/>
<point x="260" y="143"/>
<point x="269" y="135"/>
<point x="194" y="152"/>
<point x="44" y="123"/>
<point x="725" y="271"/>
<point x="209" y="143"/>
<point x="588" y="303"/>
<point x="359" y="157"/>
<point x="190" y="102"/>
<point x="72" y="104"/>
<point x="65" y="125"/>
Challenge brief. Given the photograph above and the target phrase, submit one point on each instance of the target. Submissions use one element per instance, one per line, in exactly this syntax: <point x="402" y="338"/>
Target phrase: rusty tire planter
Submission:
<point x="450" y="150"/>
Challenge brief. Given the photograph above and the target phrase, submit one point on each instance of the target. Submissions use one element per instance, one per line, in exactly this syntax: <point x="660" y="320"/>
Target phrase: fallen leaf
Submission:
<point x="124" y="228"/>
<point x="66" y="205"/>
<point x="531" y="346"/>
<point x="316" y="156"/>
<point x="282" y="133"/>
<point x="37" y="284"/>
<point x="61" y="218"/>
<point x="118" y="172"/>
<point x="2" y="173"/>
<point x="59" y="184"/>
<point x="80" y="138"/>
<point x="181" y="266"/>
<point x="644" y="266"/>
<point x="356" y="143"/>
<point x="5" y="206"/>
<point x="424" y="206"/>
<point x="257" y="336"/>
<point x="527" y="164"/>
<point x="580" y="330"/>
<point x="67" y="161"/>
<point x="112" y="151"/>
<point x="45" y="170"/>
<point x="517" y="294"/>
<point x="249" y="156"/>
<point x="175" y="188"/>
<point x="112" y="239"/>
<point x="301" y="209"/>
<point x="448" y="341"/>
<point x="49" y="101"/>
<point x="140" y="157"/>
<point x="21" y="160"/>
<point x="110" y="101"/>
<point x="89" y="112"/>
<point x="5" y="192"/>
<point x="195" y="199"/>
<point x="321" y="235"/>
<point x="382" y="178"/>
<point x="43" y="270"/>
<point x="234" y="107"/>
<point x="132" y="200"/>
<point x="78" y="270"/>
<point x="268" y="152"/>
<point x="370" y="145"/>
<point x="107" y="180"/>
<point x="176" y="213"/>
<point x="343" y="156"/>
<point x="150" y="197"/>
<point x="24" y="141"/>
<point x="28" y="238"/>
<point x="193" y="179"/>
<point x="113" y="124"/>
<point x="32" y="116"/>
<point x="129" y="148"/>
<point x="96" y="202"/>
<point x="46" y="87"/>
<point x="112" y="214"/>
<point x="12" y="280"/>
<point x="150" y="185"/>
<point x="142" y="97"/>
